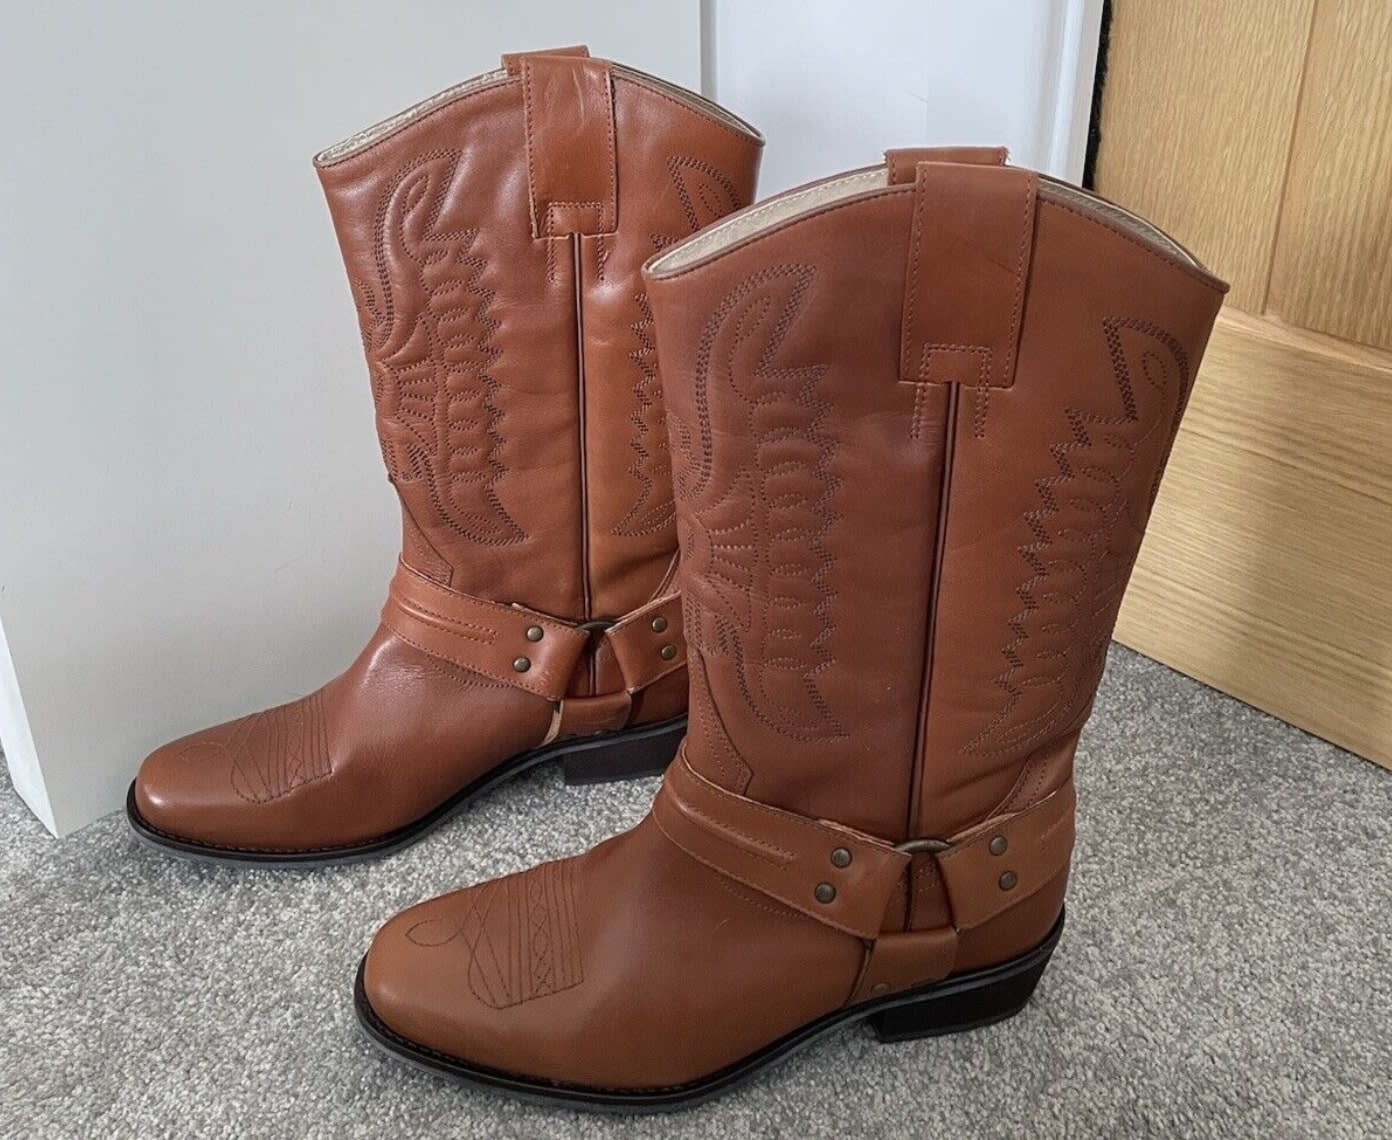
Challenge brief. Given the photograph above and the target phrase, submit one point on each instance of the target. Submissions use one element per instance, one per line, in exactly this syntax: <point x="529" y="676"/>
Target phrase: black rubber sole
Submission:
<point x="625" y="755"/>
<point x="966" y="1001"/>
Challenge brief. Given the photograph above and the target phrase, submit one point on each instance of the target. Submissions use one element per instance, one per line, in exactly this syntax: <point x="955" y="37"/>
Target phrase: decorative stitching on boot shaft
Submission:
<point x="428" y="334"/>
<point x="755" y="527"/>
<point x="704" y="194"/>
<point x="1076" y="573"/>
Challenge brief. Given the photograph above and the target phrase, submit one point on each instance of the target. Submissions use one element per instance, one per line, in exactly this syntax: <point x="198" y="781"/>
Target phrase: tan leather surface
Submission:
<point x="902" y="163"/>
<point x="533" y="651"/>
<point x="805" y="511"/>
<point x="378" y="747"/>
<point x="902" y="960"/>
<point x="968" y="334"/>
<point x="572" y="164"/>
<point x="628" y="966"/>
<point x="485" y="637"/>
<point x="1052" y="485"/>
<point x="522" y="425"/>
<point x="513" y="60"/>
<point x="897" y="596"/>
<point x="585" y="716"/>
<point x="993" y="866"/>
<point x="649" y="643"/>
<point x="677" y="171"/>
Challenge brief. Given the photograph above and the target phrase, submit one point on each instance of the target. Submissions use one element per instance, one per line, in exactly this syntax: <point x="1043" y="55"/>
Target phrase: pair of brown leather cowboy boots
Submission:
<point x="904" y="426"/>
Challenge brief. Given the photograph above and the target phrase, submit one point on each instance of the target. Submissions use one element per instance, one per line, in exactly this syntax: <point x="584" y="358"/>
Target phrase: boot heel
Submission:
<point x="623" y="756"/>
<point x="970" y="1003"/>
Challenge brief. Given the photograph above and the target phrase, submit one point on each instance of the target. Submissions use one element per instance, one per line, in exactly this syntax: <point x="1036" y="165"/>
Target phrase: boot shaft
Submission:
<point x="919" y="413"/>
<point x="493" y="236"/>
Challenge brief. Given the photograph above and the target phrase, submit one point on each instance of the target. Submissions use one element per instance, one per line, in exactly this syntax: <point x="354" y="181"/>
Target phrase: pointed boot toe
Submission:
<point x="449" y="983"/>
<point x="180" y="789"/>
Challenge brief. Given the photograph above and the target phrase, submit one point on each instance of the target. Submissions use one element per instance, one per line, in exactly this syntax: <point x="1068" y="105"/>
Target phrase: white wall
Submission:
<point x="193" y="517"/>
<point x="834" y="83"/>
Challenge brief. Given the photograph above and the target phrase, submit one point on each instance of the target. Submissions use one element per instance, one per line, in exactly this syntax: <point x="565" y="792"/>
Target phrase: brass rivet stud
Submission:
<point x="659" y="624"/>
<point x="521" y="664"/>
<point x="535" y="633"/>
<point x="1008" y="881"/>
<point x="824" y="893"/>
<point x="667" y="652"/>
<point x="879" y="988"/>
<point x="998" y="845"/>
<point x="840" y="857"/>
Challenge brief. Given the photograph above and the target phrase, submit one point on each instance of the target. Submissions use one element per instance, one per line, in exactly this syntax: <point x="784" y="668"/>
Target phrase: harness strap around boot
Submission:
<point x="839" y="876"/>
<point x="985" y="870"/>
<point x="522" y="647"/>
<point x="992" y="866"/>
<point x="845" y="878"/>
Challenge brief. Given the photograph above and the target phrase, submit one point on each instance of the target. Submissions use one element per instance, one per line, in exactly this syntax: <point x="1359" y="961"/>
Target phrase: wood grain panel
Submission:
<point x="1197" y="117"/>
<point x="1332" y="269"/>
<point x="1266" y="569"/>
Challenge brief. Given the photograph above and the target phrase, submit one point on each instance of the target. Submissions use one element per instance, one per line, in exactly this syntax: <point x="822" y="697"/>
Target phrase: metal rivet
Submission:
<point x="879" y="987"/>
<point x="840" y="857"/>
<point x="535" y="633"/>
<point x="521" y="664"/>
<point x="667" y="652"/>
<point x="659" y="624"/>
<point x="1008" y="881"/>
<point x="998" y="845"/>
<point x="824" y="893"/>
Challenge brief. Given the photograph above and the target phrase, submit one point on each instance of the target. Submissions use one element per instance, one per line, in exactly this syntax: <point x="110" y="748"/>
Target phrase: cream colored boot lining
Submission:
<point x="795" y="203"/>
<point x="766" y="215"/>
<point x="365" y="138"/>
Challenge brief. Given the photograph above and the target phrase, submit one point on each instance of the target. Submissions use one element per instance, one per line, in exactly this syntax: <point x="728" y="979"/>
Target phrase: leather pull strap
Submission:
<point x="649" y="643"/>
<point x="572" y="173"/>
<point x="903" y="161"/>
<point x="512" y="60"/>
<point x="969" y="260"/>
<point x="997" y="864"/>
<point x="484" y="636"/>
<point x="836" y="875"/>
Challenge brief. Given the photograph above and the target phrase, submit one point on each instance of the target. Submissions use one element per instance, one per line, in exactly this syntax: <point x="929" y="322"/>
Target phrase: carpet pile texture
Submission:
<point x="1226" y="970"/>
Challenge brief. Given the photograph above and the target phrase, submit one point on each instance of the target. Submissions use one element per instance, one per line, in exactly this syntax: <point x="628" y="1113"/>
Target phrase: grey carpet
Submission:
<point x="1226" y="970"/>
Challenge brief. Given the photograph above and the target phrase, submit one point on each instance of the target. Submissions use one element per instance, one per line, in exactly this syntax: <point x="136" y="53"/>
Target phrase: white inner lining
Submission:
<point x="369" y="135"/>
<point x="795" y="203"/>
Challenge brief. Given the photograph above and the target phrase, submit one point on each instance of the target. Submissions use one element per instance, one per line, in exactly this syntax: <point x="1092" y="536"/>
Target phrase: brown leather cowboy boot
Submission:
<point x="493" y="237"/>
<point x="919" y="413"/>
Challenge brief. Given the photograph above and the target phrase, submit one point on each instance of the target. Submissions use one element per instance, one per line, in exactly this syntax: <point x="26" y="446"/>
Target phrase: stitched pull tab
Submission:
<point x="568" y="103"/>
<point x="512" y="60"/>
<point x="902" y="160"/>
<point x="969" y="259"/>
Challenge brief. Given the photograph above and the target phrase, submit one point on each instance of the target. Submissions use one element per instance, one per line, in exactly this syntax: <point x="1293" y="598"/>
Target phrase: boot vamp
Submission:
<point x="631" y="966"/>
<point x="370" y="752"/>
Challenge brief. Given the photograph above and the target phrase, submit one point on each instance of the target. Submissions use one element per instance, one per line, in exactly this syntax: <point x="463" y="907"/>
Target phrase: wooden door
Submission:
<point x="1259" y="133"/>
